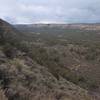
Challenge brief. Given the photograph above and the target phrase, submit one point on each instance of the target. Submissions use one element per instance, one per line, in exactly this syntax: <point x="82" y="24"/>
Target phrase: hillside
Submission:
<point x="43" y="69"/>
<point x="7" y="32"/>
<point x="72" y="53"/>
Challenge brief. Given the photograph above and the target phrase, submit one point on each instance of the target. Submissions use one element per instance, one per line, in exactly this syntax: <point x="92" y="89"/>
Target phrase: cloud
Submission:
<point x="65" y="11"/>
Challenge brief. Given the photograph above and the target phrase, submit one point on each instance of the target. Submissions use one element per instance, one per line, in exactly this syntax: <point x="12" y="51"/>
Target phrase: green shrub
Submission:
<point x="8" y="50"/>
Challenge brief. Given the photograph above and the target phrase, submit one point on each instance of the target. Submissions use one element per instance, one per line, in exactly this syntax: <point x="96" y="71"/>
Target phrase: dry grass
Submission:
<point x="2" y="95"/>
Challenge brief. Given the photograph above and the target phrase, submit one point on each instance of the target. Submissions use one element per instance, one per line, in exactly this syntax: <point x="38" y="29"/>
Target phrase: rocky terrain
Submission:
<point x="34" y="67"/>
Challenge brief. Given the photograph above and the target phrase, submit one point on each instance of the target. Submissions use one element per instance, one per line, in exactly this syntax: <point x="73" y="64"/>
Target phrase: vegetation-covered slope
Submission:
<point x="73" y="53"/>
<point x="36" y="70"/>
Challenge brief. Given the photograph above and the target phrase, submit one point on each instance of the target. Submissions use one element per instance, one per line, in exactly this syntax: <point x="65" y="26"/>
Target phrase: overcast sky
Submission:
<point x="50" y="11"/>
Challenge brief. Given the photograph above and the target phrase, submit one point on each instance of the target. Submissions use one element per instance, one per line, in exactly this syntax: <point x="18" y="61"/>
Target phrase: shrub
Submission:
<point x="2" y="95"/>
<point x="8" y="50"/>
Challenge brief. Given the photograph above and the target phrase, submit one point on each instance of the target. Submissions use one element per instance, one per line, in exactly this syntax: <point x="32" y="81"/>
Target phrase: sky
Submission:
<point x="50" y="11"/>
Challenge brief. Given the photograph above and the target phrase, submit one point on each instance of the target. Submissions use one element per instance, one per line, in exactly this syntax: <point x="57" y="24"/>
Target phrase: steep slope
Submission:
<point x="22" y="78"/>
<point x="8" y="33"/>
